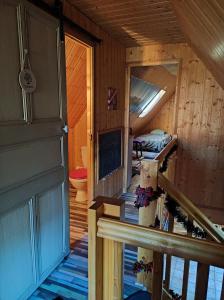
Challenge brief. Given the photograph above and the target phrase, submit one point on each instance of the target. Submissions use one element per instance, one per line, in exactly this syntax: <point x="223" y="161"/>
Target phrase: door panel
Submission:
<point x="43" y="58"/>
<point x="14" y="197"/>
<point x="17" y="275"/>
<point x="29" y="133"/>
<point x="33" y="150"/>
<point x="11" y="104"/>
<point x="29" y="160"/>
<point x="50" y="228"/>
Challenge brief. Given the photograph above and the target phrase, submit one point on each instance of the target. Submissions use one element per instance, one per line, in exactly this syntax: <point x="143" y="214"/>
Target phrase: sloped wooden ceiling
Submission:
<point x="202" y="21"/>
<point x="134" y="22"/>
<point x="75" y="55"/>
<point x="160" y="76"/>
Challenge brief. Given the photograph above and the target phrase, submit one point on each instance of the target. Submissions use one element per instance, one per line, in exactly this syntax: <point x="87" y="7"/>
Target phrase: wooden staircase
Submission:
<point x="109" y="231"/>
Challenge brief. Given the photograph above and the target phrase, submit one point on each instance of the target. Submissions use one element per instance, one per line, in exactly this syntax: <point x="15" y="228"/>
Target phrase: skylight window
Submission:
<point x="151" y="103"/>
<point x="141" y="93"/>
<point x="143" y="96"/>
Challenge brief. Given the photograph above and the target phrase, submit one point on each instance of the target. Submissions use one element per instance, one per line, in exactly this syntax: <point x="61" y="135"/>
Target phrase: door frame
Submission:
<point x="89" y="109"/>
<point x="142" y="63"/>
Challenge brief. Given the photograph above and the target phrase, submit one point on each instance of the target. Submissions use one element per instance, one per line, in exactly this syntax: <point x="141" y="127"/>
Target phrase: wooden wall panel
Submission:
<point x="200" y="122"/>
<point x="161" y="77"/>
<point x="163" y="118"/>
<point x="76" y="82"/>
<point x="77" y="138"/>
<point x="109" y="64"/>
<point x="76" y="86"/>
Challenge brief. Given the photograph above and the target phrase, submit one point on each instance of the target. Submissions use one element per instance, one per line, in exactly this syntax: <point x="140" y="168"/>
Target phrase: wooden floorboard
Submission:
<point x="70" y="278"/>
<point x="78" y="219"/>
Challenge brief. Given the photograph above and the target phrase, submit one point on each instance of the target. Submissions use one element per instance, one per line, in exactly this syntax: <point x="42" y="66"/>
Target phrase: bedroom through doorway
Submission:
<point x="151" y="122"/>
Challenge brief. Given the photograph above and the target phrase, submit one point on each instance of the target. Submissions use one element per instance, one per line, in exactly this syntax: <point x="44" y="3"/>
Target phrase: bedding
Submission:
<point x="149" y="155"/>
<point x="158" y="131"/>
<point x="153" y="142"/>
<point x="148" y="146"/>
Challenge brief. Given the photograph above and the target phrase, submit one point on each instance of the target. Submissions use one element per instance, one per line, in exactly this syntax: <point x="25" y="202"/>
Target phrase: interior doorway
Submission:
<point x="80" y="132"/>
<point x="150" y="122"/>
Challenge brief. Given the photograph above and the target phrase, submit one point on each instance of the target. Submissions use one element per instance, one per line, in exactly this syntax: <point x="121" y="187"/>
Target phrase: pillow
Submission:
<point x="158" y="131"/>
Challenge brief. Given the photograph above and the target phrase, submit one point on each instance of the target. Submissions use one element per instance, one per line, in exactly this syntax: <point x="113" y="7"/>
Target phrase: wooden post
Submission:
<point x="168" y="260"/>
<point x="201" y="281"/>
<point x="222" y="292"/>
<point x="186" y="271"/>
<point x="105" y="266"/>
<point x="157" y="289"/>
<point x="171" y="170"/>
<point x="185" y="278"/>
<point x="112" y="270"/>
<point x="148" y="177"/>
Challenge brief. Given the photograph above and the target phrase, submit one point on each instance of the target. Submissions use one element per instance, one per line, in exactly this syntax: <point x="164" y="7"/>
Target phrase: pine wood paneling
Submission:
<point x="77" y="137"/>
<point x="200" y="122"/>
<point x="76" y="85"/>
<point x="163" y="118"/>
<point x="133" y="22"/>
<point x="162" y="78"/>
<point x="76" y="55"/>
<point x="202" y="21"/>
<point x="109" y="71"/>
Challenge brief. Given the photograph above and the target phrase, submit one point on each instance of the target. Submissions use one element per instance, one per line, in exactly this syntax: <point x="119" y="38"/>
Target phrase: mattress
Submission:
<point x="149" y="155"/>
<point x="153" y="142"/>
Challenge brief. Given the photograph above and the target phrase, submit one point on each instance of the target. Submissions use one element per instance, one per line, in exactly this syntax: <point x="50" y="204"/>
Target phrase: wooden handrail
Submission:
<point x="160" y="157"/>
<point x="164" y="242"/>
<point x="190" y="208"/>
<point x="101" y="273"/>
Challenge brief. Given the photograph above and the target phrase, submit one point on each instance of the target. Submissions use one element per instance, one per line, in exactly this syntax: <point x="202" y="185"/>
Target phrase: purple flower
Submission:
<point x="144" y="196"/>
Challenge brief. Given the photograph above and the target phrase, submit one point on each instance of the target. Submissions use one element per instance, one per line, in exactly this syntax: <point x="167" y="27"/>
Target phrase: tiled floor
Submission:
<point x="70" y="279"/>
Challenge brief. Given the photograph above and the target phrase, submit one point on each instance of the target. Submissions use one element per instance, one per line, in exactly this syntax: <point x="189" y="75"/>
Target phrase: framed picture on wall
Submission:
<point x="112" y="98"/>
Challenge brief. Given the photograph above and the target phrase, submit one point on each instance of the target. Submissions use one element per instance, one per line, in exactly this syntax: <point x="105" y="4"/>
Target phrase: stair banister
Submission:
<point x="107" y="233"/>
<point x="203" y="251"/>
<point x="190" y="208"/>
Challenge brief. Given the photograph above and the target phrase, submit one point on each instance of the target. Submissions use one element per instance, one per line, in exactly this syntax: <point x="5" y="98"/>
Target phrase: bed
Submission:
<point x="148" y="146"/>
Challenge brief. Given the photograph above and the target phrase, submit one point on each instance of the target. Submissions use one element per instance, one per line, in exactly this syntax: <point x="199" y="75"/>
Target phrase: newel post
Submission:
<point x="148" y="178"/>
<point x="105" y="256"/>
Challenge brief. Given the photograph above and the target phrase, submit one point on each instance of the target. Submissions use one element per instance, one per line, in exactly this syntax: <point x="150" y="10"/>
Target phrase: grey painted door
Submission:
<point x="34" y="233"/>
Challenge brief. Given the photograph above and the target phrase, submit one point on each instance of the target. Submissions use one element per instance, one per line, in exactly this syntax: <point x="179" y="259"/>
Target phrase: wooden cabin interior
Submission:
<point x="112" y="149"/>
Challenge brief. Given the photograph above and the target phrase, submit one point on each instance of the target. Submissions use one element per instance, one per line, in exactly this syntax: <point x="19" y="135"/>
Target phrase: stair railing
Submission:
<point x="194" y="215"/>
<point x="108" y="232"/>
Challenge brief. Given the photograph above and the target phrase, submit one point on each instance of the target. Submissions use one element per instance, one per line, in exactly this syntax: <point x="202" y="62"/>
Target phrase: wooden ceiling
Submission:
<point x="134" y="22"/>
<point x="75" y="54"/>
<point x="202" y="22"/>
